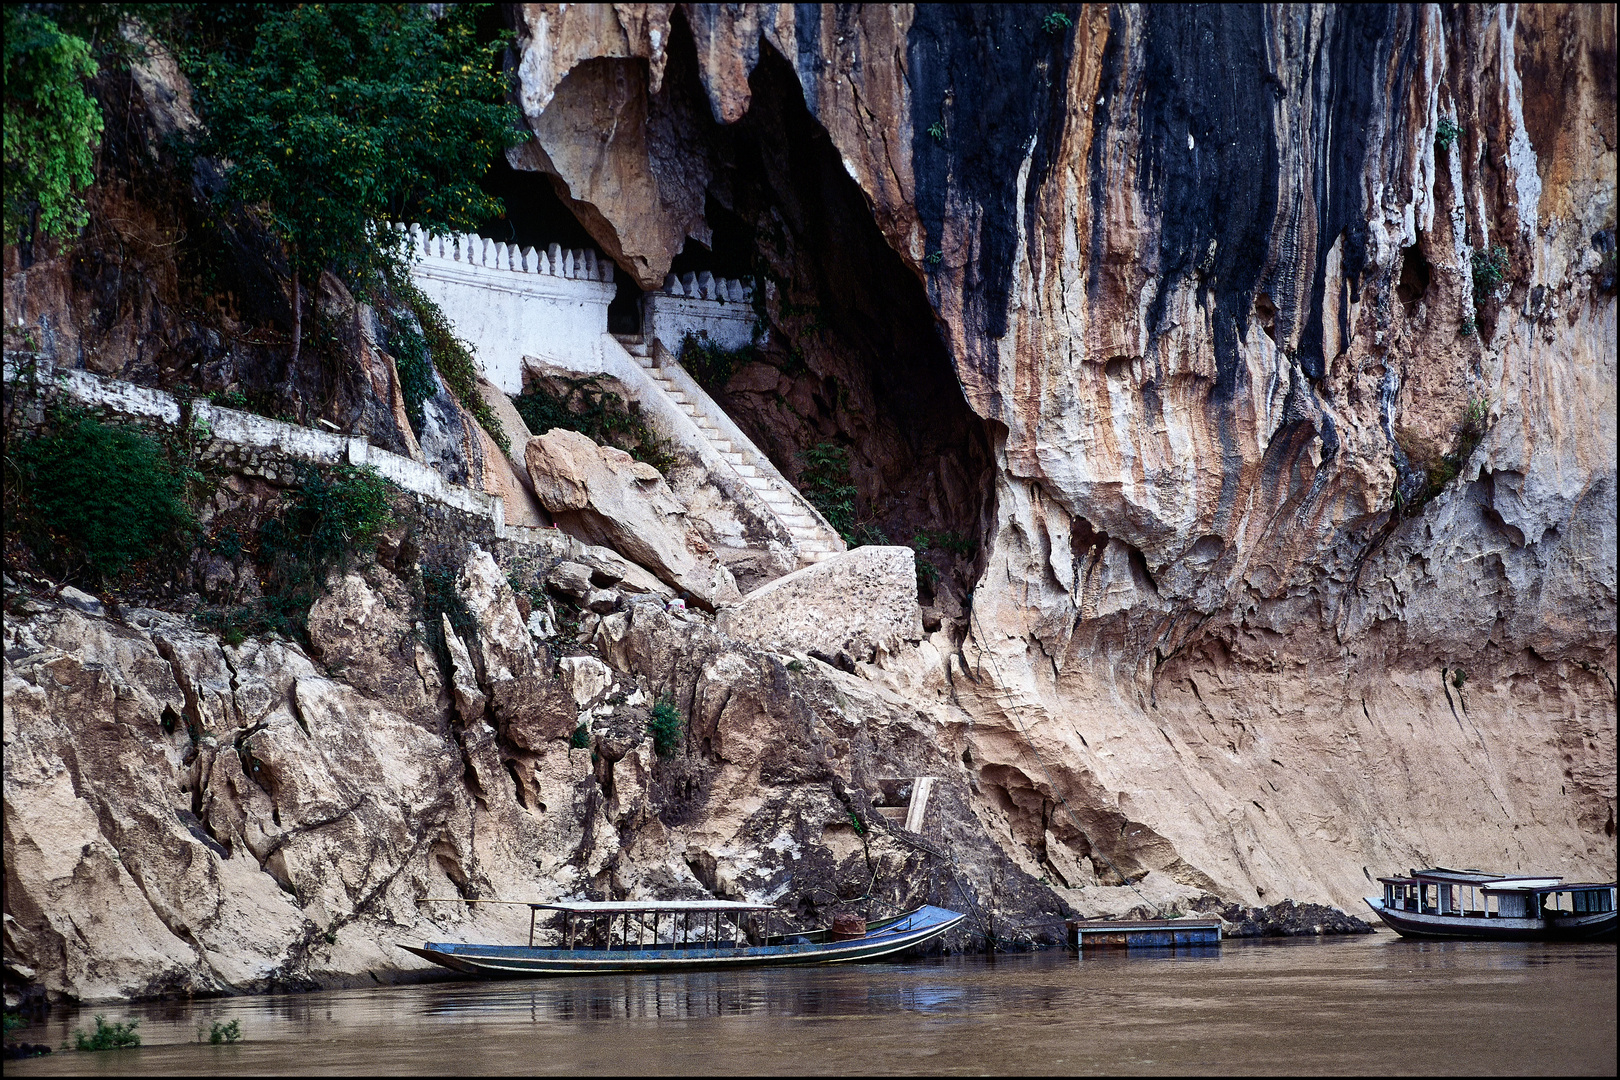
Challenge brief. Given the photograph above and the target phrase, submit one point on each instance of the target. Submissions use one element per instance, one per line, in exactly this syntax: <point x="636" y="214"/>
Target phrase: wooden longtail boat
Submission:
<point x="1444" y="903"/>
<point x="641" y="935"/>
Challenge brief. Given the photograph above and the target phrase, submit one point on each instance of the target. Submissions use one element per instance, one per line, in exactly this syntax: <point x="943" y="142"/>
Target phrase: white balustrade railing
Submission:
<point x="705" y="286"/>
<point x="470" y="249"/>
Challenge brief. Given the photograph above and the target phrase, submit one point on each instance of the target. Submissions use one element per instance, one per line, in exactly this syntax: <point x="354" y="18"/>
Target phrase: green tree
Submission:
<point x="329" y="118"/>
<point x="52" y="125"/>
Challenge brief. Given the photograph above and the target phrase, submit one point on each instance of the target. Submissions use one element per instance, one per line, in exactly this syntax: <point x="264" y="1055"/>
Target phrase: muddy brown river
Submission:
<point x="1371" y="1004"/>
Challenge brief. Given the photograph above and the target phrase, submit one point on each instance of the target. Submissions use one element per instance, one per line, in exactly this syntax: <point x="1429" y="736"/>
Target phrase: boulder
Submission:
<point x="604" y="496"/>
<point x="857" y="602"/>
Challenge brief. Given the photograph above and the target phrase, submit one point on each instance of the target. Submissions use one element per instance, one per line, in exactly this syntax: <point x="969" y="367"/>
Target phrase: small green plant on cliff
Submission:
<point x="1056" y="22"/>
<point x="52" y="126"/>
<point x="330" y="516"/>
<point x="581" y="738"/>
<point x="666" y="727"/>
<point x="936" y="130"/>
<point x="955" y="543"/>
<point x="586" y="407"/>
<point x="1458" y="677"/>
<point x="825" y="481"/>
<point x="1442" y="467"/>
<point x="1489" y="269"/>
<point x="1446" y="134"/>
<point x="711" y="364"/>
<point x="403" y="338"/>
<point x="115" y="1036"/>
<point x="92" y="499"/>
<point x="440" y="600"/>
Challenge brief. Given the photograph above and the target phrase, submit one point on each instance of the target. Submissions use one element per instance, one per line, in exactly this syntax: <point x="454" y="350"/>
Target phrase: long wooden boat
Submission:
<point x="1474" y="904"/>
<point x="635" y="935"/>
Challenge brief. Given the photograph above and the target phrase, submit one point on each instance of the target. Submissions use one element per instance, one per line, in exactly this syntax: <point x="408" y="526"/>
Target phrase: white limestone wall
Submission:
<point x="721" y="308"/>
<point x="508" y="302"/>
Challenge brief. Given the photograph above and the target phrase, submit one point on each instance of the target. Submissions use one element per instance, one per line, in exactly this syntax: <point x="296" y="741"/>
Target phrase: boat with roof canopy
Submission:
<point x="1445" y="903"/>
<point x="643" y="935"/>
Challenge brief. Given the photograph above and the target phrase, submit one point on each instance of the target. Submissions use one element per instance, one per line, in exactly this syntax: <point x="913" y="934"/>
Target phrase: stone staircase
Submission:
<point x="813" y="539"/>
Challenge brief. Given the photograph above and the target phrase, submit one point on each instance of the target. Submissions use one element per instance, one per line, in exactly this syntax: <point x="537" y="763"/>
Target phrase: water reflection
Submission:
<point x="1368" y="1005"/>
<point x="701" y="995"/>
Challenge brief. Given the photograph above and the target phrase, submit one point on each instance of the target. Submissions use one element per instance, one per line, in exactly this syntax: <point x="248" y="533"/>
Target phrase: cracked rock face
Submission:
<point x="183" y="816"/>
<point x="1209" y="277"/>
<point x="1206" y="279"/>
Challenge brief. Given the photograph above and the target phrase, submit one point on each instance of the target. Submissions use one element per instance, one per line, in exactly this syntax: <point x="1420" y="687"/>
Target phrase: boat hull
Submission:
<point x="1416" y="924"/>
<point x="520" y="961"/>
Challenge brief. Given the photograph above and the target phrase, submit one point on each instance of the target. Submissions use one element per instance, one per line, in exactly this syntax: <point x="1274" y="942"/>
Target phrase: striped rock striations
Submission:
<point x="1293" y="331"/>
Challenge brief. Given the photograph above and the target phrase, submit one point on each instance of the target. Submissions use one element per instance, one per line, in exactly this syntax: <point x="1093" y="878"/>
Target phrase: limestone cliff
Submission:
<point x="1258" y="362"/>
<point x="1218" y="283"/>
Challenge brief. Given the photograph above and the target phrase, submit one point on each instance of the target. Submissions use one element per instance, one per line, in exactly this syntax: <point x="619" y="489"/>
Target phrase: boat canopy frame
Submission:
<point x="610" y="909"/>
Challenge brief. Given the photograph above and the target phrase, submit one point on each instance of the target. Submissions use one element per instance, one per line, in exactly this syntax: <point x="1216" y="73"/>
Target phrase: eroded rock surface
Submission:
<point x="855" y="603"/>
<point x="1208" y="277"/>
<point x="604" y="496"/>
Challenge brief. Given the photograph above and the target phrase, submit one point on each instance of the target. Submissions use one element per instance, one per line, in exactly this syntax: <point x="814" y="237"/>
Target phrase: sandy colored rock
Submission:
<point x="857" y="603"/>
<point x="602" y="495"/>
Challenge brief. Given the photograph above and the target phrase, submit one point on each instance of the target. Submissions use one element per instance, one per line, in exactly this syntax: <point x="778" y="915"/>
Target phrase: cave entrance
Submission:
<point x="624" y="313"/>
<point x="848" y="386"/>
<point x="854" y="360"/>
<point x="536" y="215"/>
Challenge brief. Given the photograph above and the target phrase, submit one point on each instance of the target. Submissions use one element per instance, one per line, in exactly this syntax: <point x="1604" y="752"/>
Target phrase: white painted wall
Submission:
<point x="508" y="302"/>
<point x="720" y="308"/>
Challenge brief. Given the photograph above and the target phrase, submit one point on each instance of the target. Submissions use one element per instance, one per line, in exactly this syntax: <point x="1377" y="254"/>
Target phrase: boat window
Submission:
<point x="1592" y="902"/>
<point x="1493" y="908"/>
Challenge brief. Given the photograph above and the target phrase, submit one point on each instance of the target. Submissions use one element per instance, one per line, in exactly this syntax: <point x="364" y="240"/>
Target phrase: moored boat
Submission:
<point x="683" y="934"/>
<point x="1445" y="903"/>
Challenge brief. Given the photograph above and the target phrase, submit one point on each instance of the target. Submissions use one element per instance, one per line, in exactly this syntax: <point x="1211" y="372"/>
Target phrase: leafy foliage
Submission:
<point x="221" y="1032"/>
<point x="666" y="727"/>
<point x="584" y="406"/>
<point x="439" y="599"/>
<point x="1446" y="133"/>
<point x="52" y="125"/>
<point x="1056" y="22"/>
<point x="323" y="522"/>
<point x="405" y="342"/>
<point x="1489" y="268"/>
<point x="711" y="364"/>
<point x="955" y="543"/>
<point x="581" y="738"/>
<point x="115" y="1036"/>
<point x="825" y="481"/>
<point x="334" y="116"/>
<point x="92" y="499"/>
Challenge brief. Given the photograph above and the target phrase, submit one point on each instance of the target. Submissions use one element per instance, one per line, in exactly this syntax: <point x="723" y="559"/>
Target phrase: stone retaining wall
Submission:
<point x="242" y="442"/>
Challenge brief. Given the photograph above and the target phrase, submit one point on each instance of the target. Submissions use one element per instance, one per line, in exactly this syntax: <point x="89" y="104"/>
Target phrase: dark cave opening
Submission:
<point x="854" y="355"/>
<point x="1415" y="273"/>
<point x="535" y="214"/>
<point x="850" y="354"/>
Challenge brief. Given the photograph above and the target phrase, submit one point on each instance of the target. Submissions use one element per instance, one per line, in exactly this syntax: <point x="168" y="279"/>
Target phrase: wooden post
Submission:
<point x="568" y="921"/>
<point x="532" y="911"/>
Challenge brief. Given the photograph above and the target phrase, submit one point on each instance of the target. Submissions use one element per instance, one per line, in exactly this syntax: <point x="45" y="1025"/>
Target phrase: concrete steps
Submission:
<point x="813" y="541"/>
